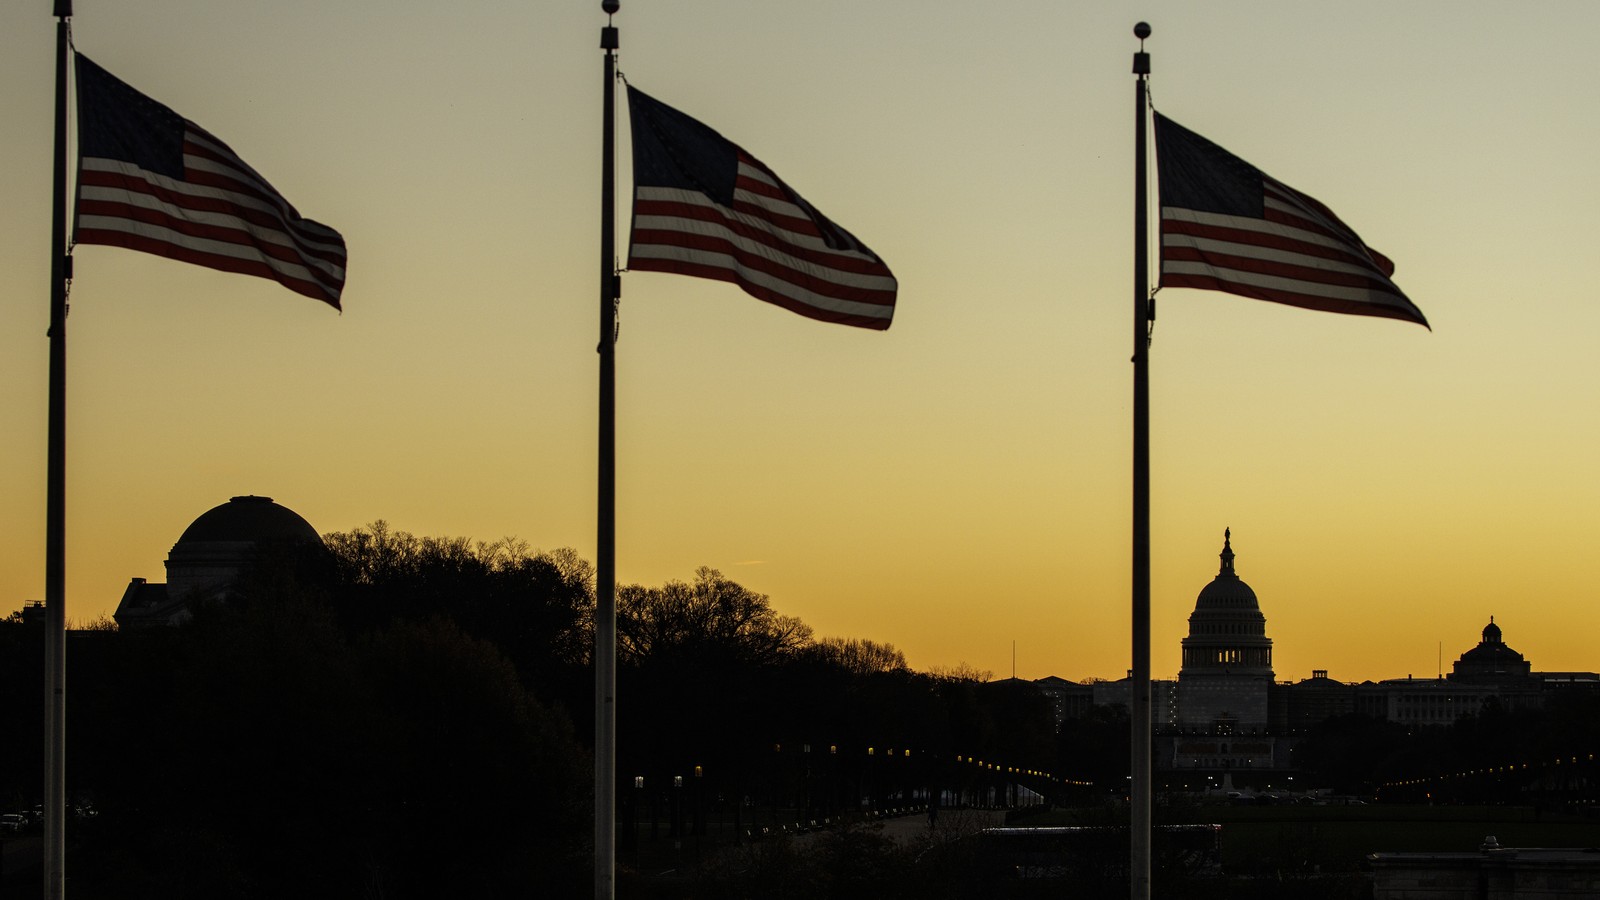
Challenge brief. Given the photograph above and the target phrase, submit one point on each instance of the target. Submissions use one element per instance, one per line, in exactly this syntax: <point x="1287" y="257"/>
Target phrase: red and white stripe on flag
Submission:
<point x="199" y="203"/>
<point x="1226" y="226"/>
<point x="704" y="207"/>
<point x="766" y="244"/>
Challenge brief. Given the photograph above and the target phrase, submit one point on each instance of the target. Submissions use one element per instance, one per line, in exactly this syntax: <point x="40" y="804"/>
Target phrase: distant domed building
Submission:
<point x="1491" y="662"/>
<point x="1227" y="658"/>
<point x="1225" y="688"/>
<point x="209" y="556"/>
<point x="1224" y="720"/>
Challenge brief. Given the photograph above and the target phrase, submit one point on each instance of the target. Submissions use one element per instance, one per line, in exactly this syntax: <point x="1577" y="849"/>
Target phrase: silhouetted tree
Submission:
<point x="1354" y="753"/>
<point x="484" y="791"/>
<point x="699" y="677"/>
<point x="961" y="672"/>
<point x="21" y="712"/>
<point x="257" y="751"/>
<point x="537" y="607"/>
<point x="1024" y="722"/>
<point x="859" y="656"/>
<point x="1096" y="747"/>
<point x="712" y="618"/>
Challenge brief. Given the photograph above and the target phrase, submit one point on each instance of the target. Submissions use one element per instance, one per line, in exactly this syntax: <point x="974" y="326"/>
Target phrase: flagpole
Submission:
<point x="1143" y="315"/>
<point x="55" y="647"/>
<point x="605" y="613"/>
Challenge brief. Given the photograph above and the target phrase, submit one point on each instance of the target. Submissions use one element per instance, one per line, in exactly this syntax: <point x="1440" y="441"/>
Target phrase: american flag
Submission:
<point x="702" y="206"/>
<point x="1227" y="226"/>
<point x="150" y="180"/>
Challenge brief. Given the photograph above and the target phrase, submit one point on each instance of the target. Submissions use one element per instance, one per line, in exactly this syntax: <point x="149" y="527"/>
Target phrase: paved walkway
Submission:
<point x="952" y="824"/>
<point x="20" y="866"/>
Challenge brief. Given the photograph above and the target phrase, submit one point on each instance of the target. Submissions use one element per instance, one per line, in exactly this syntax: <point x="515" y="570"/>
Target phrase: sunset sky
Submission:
<point x="951" y="486"/>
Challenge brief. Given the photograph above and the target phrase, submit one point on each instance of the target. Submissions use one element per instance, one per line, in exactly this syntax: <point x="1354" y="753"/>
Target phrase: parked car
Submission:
<point x="12" y="822"/>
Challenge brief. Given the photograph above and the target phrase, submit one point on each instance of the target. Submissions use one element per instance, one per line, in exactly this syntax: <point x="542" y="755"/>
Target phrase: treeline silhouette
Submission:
<point x="394" y="716"/>
<point x="398" y="716"/>
<point x="1499" y="752"/>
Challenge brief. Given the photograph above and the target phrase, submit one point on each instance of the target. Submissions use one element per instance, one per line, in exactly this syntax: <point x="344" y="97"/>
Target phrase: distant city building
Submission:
<point x="1491" y="662"/>
<point x="1558" y="682"/>
<point x="1226" y="677"/>
<point x="1432" y="701"/>
<point x="1316" y="699"/>
<point x="1163" y="698"/>
<point x="1310" y="701"/>
<point x="1068" y="699"/>
<point x="33" y="612"/>
<point x="1225" y="720"/>
<point x="1226" y="714"/>
<point x="1491" y="671"/>
<point x="209" y="557"/>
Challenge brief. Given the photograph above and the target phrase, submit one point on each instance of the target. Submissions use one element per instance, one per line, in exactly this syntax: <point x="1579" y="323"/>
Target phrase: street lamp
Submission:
<point x="633" y="815"/>
<point x="699" y="822"/>
<point x="677" y="812"/>
<point x="802" y="803"/>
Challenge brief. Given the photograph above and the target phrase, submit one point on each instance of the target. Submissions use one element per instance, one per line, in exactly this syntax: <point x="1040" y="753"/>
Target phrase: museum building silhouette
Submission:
<point x="209" y="557"/>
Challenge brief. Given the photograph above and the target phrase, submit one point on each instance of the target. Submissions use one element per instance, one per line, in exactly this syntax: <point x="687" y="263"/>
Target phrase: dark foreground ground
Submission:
<point x="1316" y="853"/>
<point x="19" y="866"/>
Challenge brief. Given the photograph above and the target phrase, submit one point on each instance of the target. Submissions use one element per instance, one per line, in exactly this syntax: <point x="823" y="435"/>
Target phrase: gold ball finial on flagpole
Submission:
<point x="610" y="6"/>
<point x="1141" y="30"/>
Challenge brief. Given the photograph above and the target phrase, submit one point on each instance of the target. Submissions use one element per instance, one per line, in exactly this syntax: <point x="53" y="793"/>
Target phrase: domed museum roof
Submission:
<point x="209" y="556"/>
<point x="249" y="519"/>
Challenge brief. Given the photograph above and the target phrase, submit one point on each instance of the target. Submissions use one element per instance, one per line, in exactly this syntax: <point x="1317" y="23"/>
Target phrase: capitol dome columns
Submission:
<point x="1227" y="657"/>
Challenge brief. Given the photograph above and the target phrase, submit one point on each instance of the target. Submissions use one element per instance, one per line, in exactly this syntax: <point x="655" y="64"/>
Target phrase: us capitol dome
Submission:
<point x="1227" y="657"/>
<point x="1225" y="688"/>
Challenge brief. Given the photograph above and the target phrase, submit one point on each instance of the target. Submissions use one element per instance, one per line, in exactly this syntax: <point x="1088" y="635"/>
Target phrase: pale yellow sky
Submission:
<point x="950" y="486"/>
